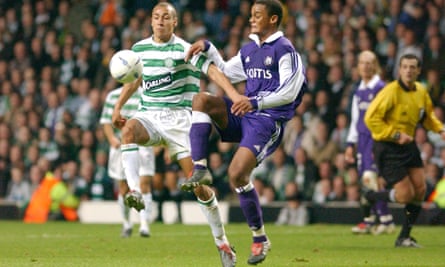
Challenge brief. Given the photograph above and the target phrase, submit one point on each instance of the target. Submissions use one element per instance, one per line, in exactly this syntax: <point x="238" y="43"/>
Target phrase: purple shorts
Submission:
<point x="365" y="157"/>
<point x="255" y="131"/>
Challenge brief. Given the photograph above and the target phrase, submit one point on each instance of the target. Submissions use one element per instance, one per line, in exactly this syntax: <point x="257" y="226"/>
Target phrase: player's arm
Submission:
<point x="221" y="80"/>
<point x="205" y="65"/>
<point x="352" y="137"/>
<point x="233" y="69"/>
<point x="127" y="91"/>
<point x="111" y="137"/>
<point x="431" y="122"/>
<point x="292" y="78"/>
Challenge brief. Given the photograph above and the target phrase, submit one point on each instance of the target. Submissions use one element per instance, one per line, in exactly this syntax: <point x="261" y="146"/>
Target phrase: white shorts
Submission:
<point x="168" y="127"/>
<point x="146" y="163"/>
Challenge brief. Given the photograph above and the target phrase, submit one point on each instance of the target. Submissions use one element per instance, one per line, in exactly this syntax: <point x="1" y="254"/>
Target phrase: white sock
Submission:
<point x="211" y="211"/>
<point x="125" y="212"/>
<point x="146" y="213"/>
<point x="130" y="162"/>
<point x="144" y="223"/>
<point x="259" y="232"/>
<point x="392" y="195"/>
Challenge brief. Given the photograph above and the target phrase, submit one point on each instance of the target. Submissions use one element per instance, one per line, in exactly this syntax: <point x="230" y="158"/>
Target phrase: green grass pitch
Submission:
<point x="75" y="244"/>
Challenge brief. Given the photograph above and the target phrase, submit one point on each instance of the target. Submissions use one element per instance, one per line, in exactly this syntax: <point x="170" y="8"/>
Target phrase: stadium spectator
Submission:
<point x="293" y="135"/>
<point x="218" y="168"/>
<point x="323" y="186"/>
<point x="306" y="174"/>
<point x="19" y="189"/>
<point x="294" y="212"/>
<point x="318" y="145"/>
<point x="280" y="171"/>
<point x="266" y="193"/>
<point x="338" y="192"/>
<point x="340" y="131"/>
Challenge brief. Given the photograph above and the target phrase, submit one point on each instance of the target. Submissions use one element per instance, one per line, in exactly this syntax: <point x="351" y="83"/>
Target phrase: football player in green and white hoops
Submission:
<point x="164" y="116"/>
<point x="140" y="183"/>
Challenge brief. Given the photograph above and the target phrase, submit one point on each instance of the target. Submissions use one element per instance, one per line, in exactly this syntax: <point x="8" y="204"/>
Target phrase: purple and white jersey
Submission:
<point x="359" y="134"/>
<point x="273" y="71"/>
<point x="363" y="96"/>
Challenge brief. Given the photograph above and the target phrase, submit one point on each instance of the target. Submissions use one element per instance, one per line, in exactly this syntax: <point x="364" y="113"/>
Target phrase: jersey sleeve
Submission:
<point x="201" y="62"/>
<point x="107" y="110"/>
<point x="431" y="122"/>
<point x="292" y="77"/>
<point x="375" y="120"/>
<point x="353" y="133"/>
<point x="233" y="68"/>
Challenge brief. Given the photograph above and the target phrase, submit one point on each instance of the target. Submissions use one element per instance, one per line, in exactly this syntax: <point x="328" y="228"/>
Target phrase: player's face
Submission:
<point x="366" y="66"/>
<point x="409" y="70"/>
<point x="163" y="22"/>
<point x="260" y="22"/>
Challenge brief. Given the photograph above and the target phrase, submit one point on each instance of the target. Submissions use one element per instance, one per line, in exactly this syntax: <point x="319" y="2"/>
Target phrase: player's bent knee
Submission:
<point x="237" y="179"/>
<point x="128" y="134"/>
<point x="404" y="196"/>
<point x="200" y="101"/>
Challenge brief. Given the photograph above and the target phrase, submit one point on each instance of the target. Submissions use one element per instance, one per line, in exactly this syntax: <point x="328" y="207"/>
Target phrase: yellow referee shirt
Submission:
<point x="398" y="109"/>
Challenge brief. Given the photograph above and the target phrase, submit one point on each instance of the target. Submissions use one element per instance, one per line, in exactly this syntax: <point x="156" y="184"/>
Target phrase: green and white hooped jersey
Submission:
<point x="168" y="81"/>
<point x="127" y="111"/>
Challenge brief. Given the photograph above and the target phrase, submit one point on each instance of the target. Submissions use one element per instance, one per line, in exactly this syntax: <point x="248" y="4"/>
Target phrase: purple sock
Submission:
<point x="382" y="208"/>
<point x="199" y="138"/>
<point x="250" y="205"/>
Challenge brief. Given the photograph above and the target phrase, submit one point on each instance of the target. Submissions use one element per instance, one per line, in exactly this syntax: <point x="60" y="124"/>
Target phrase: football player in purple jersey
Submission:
<point x="360" y="141"/>
<point x="275" y="83"/>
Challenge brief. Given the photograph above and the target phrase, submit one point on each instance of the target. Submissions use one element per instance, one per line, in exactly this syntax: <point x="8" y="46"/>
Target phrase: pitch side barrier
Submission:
<point x="331" y="212"/>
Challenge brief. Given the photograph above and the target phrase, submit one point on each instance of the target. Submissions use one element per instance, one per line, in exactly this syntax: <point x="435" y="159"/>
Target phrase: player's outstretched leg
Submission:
<point x="250" y="205"/>
<point x="210" y="209"/>
<point x="407" y="242"/>
<point x="364" y="227"/>
<point x="386" y="225"/>
<point x="227" y="255"/>
<point x="133" y="199"/>
<point x="412" y="211"/>
<point x="259" y="252"/>
<point x="127" y="227"/>
<point x="200" y="176"/>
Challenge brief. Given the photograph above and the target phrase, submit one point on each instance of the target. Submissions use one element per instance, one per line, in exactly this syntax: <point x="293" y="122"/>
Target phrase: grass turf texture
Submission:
<point x="75" y="244"/>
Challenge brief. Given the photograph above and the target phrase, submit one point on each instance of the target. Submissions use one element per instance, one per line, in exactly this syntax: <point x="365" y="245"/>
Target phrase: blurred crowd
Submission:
<point x="54" y="77"/>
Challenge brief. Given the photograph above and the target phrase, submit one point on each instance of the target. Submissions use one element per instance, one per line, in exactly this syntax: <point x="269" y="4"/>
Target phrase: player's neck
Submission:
<point x="161" y="39"/>
<point x="264" y="35"/>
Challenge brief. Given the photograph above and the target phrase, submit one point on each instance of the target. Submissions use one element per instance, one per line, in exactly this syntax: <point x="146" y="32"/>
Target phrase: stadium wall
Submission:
<point x="333" y="212"/>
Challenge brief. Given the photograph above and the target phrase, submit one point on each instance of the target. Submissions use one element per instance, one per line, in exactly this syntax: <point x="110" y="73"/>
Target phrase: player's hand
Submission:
<point x="349" y="155"/>
<point x="115" y="142"/>
<point x="195" y="49"/>
<point x="117" y="120"/>
<point x="404" y="139"/>
<point x="241" y="105"/>
<point x="136" y="84"/>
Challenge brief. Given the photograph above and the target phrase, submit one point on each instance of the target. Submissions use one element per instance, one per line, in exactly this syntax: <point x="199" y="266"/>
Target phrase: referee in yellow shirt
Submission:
<point x="392" y="118"/>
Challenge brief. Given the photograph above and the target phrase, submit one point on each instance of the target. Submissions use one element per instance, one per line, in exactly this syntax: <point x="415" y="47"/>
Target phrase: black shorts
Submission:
<point x="394" y="160"/>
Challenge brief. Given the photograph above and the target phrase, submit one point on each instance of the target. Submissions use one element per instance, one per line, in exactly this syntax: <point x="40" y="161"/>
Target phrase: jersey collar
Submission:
<point x="374" y="80"/>
<point x="269" y="39"/>
<point x="405" y="87"/>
